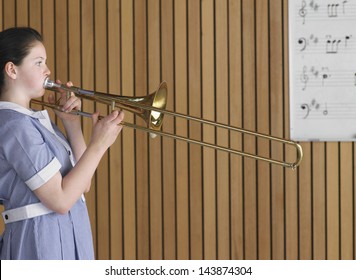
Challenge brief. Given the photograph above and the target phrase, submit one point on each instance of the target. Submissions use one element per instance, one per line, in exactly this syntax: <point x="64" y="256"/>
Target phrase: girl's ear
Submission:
<point x="10" y="69"/>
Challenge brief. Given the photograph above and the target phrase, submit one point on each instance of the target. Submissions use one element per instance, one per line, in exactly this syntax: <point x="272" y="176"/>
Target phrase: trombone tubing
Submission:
<point x="292" y="165"/>
<point x="231" y="128"/>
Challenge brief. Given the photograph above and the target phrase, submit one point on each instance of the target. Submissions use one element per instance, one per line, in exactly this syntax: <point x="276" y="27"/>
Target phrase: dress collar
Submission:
<point x="15" y="107"/>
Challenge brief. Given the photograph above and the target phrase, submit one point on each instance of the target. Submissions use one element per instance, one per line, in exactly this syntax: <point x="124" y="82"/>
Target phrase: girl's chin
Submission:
<point x="41" y="94"/>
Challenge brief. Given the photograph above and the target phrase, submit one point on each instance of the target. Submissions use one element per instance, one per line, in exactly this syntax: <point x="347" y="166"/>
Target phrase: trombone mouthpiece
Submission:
<point x="47" y="84"/>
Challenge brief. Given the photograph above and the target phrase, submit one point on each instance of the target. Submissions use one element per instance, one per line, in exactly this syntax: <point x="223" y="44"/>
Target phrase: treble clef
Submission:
<point x="304" y="78"/>
<point x="303" y="11"/>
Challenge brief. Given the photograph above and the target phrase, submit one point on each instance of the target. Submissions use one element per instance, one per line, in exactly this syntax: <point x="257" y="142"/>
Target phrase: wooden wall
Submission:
<point x="223" y="60"/>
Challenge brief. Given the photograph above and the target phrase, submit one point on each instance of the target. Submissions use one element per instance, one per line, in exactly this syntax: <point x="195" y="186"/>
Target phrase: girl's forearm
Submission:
<point x="78" y="180"/>
<point x="75" y="138"/>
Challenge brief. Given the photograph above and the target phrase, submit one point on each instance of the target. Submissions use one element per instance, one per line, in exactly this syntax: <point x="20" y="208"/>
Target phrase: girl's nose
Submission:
<point x="47" y="71"/>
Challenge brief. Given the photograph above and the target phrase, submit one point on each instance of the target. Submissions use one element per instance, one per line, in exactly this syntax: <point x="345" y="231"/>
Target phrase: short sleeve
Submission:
<point x="27" y="153"/>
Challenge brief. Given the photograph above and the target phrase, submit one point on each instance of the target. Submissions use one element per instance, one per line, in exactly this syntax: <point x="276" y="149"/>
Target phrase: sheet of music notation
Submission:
<point x="322" y="52"/>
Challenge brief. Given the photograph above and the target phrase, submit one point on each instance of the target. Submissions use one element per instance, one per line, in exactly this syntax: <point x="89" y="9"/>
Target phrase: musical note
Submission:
<point x="325" y="75"/>
<point x="325" y="112"/>
<point x="332" y="46"/>
<point x="343" y="6"/>
<point x="332" y="10"/>
<point x="346" y="40"/>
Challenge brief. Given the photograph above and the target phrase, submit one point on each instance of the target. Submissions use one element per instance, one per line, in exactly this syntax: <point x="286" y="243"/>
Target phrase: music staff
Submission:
<point x="323" y="77"/>
<point x="325" y="10"/>
<point x="327" y="44"/>
<point x="314" y="110"/>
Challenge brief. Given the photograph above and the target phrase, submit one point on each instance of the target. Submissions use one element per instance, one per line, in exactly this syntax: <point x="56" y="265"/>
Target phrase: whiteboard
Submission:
<point x="322" y="70"/>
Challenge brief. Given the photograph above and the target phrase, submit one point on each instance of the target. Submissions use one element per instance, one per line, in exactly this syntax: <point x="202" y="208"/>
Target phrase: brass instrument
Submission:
<point x="152" y="109"/>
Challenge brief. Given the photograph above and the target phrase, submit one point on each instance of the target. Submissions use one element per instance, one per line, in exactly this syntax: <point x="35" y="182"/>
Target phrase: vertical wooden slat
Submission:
<point x="115" y="180"/>
<point x="9" y="13"/>
<point x="168" y="168"/>
<point x="87" y="75"/>
<point x="22" y="13"/>
<point x="208" y="103"/>
<point x="332" y="201"/>
<point x="61" y="40"/>
<point x="141" y="137"/>
<point x="249" y="122"/>
<point x="35" y="15"/>
<point x="195" y="152"/>
<point x="304" y="206"/>
<point x="155" y="162"/>
<point x="291" y="176"/>
<point x="346" y="199"/>
<point x="263" y="126"/>
<point x="100" y="54"/>
<point x="130" y="250"/>
<point x="181" y="85"/>
<point x="74" y="42"/>
<point x="276" y="103"/>
<point x="318" y="230"/>
<point x="222" y="164"/>
<point x="235" y="77"/>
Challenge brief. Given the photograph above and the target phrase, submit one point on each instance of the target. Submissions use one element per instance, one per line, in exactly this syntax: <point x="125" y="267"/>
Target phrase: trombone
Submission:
<point x="152" y="108"/>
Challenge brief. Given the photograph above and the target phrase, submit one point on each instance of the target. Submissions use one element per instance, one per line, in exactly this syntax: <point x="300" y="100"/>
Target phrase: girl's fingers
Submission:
<point x="120" y="117"/>
<point x="51" y="98"/>
<point x="72" y="103"/>
<point x="116" y="117"/>
<point x="95" y="118"/>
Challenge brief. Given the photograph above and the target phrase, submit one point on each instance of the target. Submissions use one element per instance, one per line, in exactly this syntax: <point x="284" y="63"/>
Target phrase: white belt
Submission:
<point x="25" y="212"/>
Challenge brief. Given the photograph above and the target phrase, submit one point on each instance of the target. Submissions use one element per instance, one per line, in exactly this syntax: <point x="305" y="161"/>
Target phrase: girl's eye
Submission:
<point x="39" y="63"/>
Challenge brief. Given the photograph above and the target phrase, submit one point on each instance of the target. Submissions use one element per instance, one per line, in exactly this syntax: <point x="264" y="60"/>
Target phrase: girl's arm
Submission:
<point x="72" y="123"/>
<point x="60" y="193"/>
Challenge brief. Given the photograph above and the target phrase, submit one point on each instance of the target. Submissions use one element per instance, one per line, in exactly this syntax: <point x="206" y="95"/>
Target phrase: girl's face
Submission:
<point x="33" y="71"/>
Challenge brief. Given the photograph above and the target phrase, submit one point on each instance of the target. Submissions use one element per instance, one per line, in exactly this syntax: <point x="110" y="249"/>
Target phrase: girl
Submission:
<point x="43" y="174"/>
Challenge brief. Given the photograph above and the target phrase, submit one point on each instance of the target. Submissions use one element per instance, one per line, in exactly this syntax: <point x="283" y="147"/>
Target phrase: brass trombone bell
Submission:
<point x="156" y="100"/>
<point x="152" y="109"/>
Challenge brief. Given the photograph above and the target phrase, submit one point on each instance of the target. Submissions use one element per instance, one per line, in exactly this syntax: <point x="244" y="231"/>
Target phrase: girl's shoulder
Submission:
<point x="13" y="119"/>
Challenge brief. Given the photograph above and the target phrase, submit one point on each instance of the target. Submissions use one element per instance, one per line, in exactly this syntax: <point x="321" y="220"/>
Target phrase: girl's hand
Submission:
<point x="67" y="104"/>
<point x="106" y="130"/>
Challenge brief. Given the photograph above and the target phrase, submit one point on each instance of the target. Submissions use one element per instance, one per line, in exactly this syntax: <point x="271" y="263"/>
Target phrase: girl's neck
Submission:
<point x="15" y="98"/>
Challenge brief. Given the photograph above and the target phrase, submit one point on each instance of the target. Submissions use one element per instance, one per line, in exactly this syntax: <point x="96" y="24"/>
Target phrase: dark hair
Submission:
<point x="15" y="44"/>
